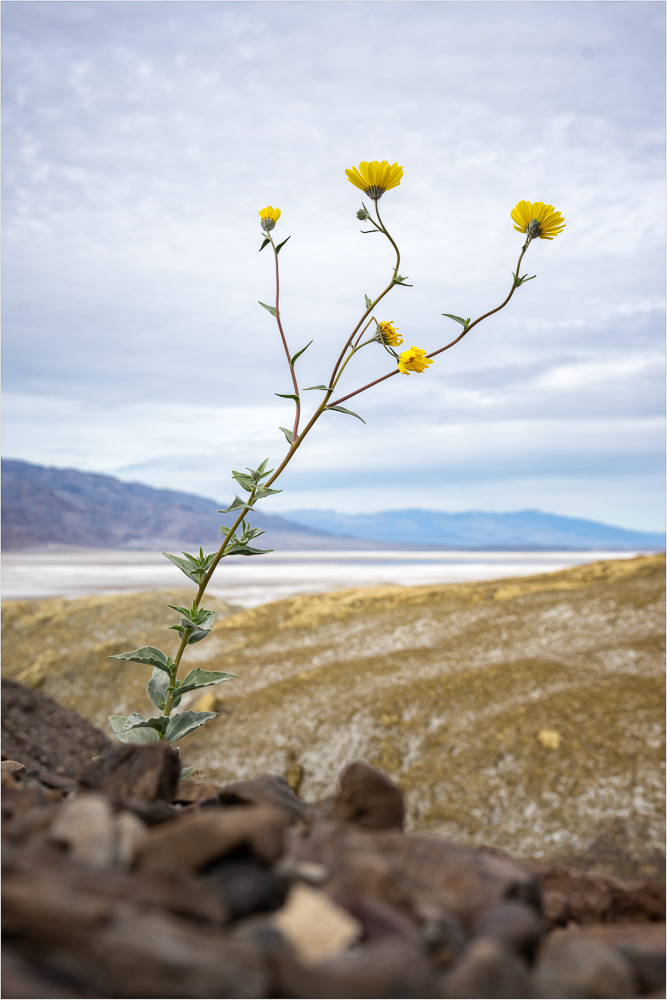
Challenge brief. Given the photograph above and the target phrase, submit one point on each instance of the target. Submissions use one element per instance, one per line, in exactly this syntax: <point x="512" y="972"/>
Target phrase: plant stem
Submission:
<point x="515" y="285"/>
<point x="295" y="428"/>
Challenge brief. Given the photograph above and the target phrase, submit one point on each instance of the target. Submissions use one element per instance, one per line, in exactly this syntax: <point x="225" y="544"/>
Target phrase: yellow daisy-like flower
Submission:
<point x="414" y="360"/>
<point x="375" y="178"/>
<point x="388" y="333"/>
<point x="269" y="217"/>
<point x="537" y="219"/>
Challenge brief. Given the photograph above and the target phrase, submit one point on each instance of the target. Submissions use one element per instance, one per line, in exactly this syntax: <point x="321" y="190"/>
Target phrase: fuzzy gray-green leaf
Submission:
<point x="186" y="722"/>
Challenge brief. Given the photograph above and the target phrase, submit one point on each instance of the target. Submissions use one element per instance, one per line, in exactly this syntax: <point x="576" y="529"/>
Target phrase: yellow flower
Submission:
<point x="269" y="217"/>
<point x="414" y="360"/>
<point x="537" y="219"/>
<point x="375" y="178"/>
<point x="388" y="334"/>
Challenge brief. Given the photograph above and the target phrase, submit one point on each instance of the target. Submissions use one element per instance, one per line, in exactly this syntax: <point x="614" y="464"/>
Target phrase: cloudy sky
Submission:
<point x="140" y="140"/>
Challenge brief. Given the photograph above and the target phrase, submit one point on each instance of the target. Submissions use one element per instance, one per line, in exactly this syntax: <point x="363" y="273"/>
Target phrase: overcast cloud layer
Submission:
<point x="141" y="139"/>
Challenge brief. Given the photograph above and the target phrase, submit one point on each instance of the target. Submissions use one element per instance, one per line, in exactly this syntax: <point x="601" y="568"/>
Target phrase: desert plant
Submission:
<point x="165" y="690"/>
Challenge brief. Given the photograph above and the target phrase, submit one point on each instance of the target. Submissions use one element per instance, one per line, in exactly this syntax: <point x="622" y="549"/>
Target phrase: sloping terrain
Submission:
<point x="526" y="714"/>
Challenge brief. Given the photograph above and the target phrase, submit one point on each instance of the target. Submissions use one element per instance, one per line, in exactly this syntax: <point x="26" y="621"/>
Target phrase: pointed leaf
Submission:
<point x="299" y="353"/>
<point x="186" y="722"/>
<point x="157" y="688"/>
<point x="199" y="678"/>
<point x="137" y="721"/>
<point x="341" y="409"/>
<point x="368" y="302"/>
<point x="149" y="655"/>
<point x="288" y="434"/>
<point x="325" y="387"/>
<point x="457" y="319"/>
<point x="264" y="491"/>
<point x="271" y="309"/>
<point x="287" y="395"/>
<point x="264" y="244"/>
<point x="123" y="735"/>
<point x="238" y="504"/>
<point x="281" y="245"/>
<point x="187" y="566"/>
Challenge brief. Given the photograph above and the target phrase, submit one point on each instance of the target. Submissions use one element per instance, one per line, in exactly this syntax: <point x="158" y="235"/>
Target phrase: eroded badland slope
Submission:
<point x="526" y="714"/>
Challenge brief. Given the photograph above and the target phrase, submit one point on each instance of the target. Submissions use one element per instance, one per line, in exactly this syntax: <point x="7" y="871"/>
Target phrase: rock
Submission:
<point x="86" y="826"/>
<point x="200" y="838"/>
<point x="368" y="798"/>
<point x="43" y="735"/>
<point x="571" y="964"/>
<point x="515" y="925"/>
<point x="246" y="885"/>
<point x="271" y="790"/>
<point x="13" y="768"/>
<point x="157" y="956"/>
<point x="315" y="926"/>
<point x="379" y="920"/>
<point x="422" y="875"/>
<point x="146" y="772"/>
<point x="383" y="969"/>
<point x="643" y="945"/>
<point x="445" y="940"/>
<point x="571" y="895"/>
<point x="189" y="792"/>
<point x="487" y="970"/>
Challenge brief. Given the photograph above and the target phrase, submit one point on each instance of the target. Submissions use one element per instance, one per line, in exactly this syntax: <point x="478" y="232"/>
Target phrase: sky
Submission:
<point x="140" y="141"/>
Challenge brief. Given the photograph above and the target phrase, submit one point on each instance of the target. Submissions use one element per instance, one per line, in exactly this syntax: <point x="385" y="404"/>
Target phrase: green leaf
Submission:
<point x="401" y="280"/>
<point x="124" y="735"/>
<point x="199" y="678"/>
<point x="368" y="302"/>
<point x="149" y="655"/>
<point x="325" y="387"/>
<point x="245" y="482"/>
<point x="457" y="319"/>
<point x="136" y="721"/>
<point x="341" y="409"/>
<point x="264" y="491"/>
<point x="241" y="549"/>
<point x="522" y="280"/>
<point x="187" y="772"/>
<point x="238" y="504"/>
<point x="288" y="434"/>
<point x="260" y="470"/>
<point x="264" y="244"/>
<point x="287" y="395"/>
<point x="199" y="627"/>
<point x="299" y="353"/>
<point x="270" y="309"/>
<point x="281" y="245"/>
<point x="186" y="722"/>
<point x="157" y="688"/>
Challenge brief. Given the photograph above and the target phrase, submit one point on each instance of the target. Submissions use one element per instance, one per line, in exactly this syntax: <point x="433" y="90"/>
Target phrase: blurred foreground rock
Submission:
<point x="127" y="883"/>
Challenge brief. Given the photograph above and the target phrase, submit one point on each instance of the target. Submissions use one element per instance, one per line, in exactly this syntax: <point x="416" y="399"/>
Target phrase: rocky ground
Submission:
<point x="525" y="713"/>
<point x="120" y="880"/>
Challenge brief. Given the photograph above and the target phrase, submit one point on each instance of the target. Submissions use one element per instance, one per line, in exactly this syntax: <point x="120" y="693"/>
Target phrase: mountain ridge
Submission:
<point x="49" y="506"/>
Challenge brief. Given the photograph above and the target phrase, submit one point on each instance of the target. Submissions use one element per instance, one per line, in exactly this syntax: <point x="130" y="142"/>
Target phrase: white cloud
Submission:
<point x="141" y="140"/>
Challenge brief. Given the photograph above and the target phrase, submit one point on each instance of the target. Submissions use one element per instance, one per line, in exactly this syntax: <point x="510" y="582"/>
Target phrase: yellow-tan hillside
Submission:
<point x="526" y="714"/>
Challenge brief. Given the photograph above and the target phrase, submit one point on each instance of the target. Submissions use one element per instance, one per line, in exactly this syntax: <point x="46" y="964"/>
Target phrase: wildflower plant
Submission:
<point x="535" y="220"/>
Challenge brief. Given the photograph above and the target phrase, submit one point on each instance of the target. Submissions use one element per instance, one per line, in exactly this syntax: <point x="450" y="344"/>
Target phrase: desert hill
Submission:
<point x="55" y="507"/>
<point x="526" y="714"/>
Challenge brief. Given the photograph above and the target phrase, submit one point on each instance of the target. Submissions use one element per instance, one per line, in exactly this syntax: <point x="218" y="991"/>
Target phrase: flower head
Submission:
<point x="375" y="178"/>
<point x="269" y="217"/>
<point x="414" y="360"/>
<point x="537" y="219"/>
<point x="387" y="333"/>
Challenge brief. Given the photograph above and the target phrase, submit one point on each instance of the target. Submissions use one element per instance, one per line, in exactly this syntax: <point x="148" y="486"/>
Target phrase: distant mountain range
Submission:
<point x="476" y="529"/>
<point x="51" y="507"/>
<point x="60" y="507"/>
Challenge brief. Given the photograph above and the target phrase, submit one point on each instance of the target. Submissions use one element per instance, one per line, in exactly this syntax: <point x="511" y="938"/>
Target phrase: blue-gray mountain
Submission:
<point x="47" y="506"/>
<point x="477" y="529"/>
